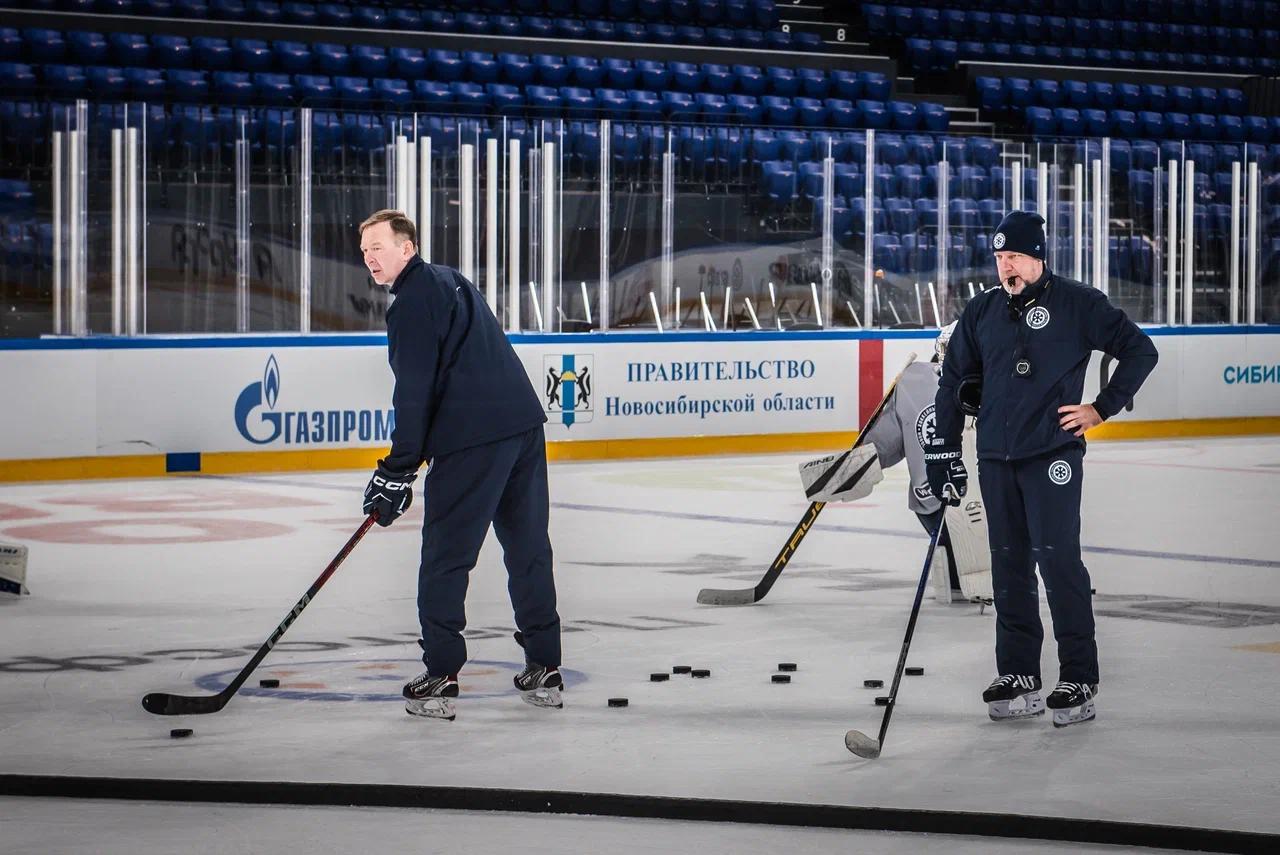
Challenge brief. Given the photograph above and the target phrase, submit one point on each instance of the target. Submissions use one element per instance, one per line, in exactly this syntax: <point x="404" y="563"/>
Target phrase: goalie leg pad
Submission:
<point x="844" y="477"/>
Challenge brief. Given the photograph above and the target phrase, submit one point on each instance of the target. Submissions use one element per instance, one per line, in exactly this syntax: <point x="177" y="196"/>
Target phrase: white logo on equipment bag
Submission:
<point x="1060" y="472"/>
<point x="925" y="426"/>
<point x="998" y="240"/>
<point x="1038" y="317"/>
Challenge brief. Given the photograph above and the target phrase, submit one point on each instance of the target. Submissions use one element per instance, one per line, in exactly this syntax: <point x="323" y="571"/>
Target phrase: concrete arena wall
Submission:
<point x="88" y="408"/>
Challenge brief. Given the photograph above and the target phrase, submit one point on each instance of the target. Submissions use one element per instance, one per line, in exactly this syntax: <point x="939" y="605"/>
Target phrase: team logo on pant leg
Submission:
<point x="925" y="426"/>
<point x="1060" y="472"/>
<point x="1038" y="317"/>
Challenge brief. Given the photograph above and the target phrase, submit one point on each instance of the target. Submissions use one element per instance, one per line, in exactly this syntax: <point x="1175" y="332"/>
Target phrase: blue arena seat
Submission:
<point x="620" y="73"/>
<point x="1041" y="121"/>
<point x="1123" y="123"/>
<point x="782" y="81"/>
<point x="684" y="76"/>
<point x="515" y="69"/>
<point x="779" y="110"/>
<point x="1097" y="123"/>
<point x="1069" y="121"/>
<point x="717" y="78"/>
<point x="904" y="116"/>
<point x="370" y="61"/>
<point x="1046" y="93"/>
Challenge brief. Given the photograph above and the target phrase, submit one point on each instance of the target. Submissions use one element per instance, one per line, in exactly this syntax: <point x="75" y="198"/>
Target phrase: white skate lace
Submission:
<point x="1066" y="688"/>
<point x="1012" y="680"/>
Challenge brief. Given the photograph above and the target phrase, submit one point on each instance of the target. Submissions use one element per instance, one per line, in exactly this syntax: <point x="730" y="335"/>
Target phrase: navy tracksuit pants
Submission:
<point x="1033" y="520"/>
<point x="503" y="483"/>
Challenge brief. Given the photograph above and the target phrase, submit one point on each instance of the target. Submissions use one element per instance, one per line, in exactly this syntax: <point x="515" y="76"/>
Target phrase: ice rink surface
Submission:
<point x="171" y="584"/>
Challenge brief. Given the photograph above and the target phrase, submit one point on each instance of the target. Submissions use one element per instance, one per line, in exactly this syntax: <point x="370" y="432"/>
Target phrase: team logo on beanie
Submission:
<point x="998" y="240"/>
<point x="1038" y="317"/>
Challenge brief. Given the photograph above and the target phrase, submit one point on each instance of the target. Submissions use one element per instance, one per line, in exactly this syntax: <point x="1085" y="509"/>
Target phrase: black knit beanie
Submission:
<point x="1020" y="231"/>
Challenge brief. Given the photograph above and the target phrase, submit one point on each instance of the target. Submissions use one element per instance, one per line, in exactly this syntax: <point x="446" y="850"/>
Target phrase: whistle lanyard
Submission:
<point x="1022" y="366"/>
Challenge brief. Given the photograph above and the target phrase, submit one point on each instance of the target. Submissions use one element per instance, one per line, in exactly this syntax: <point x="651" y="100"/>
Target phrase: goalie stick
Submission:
<point x="747" y="596"/>
<point x="163" y="703"/>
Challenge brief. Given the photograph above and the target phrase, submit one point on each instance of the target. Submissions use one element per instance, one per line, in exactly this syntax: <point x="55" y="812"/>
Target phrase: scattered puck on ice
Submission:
<point x="681" y="669"/>
<point x="618" y="702"/>
<point x="269" y="684"/>
<point x="701" y="672"/>
<point x="786" y="666"/>
<point x="659" y="677"/>
<point x="915" y="671"/>
<point x="782" y="678"/>
<point x="180" y="732"/>
<point x="882" y="700"/>
<point x="1093" y="590"/>
<point x="873" y="684"/>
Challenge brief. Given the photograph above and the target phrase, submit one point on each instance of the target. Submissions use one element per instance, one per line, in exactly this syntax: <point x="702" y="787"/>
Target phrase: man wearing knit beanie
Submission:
<point x="1030" y="341"/>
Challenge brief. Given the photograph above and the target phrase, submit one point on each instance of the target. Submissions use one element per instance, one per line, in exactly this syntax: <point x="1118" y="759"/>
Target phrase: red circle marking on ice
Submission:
<point x="108" y="532"/>
<point x="184" y="501"/>
<point x="10" y="512"/>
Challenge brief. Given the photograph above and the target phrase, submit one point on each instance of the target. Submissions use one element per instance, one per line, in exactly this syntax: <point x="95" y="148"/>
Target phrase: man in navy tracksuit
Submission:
<point x="1029" y="342"/>
<point x="464" y="404"/>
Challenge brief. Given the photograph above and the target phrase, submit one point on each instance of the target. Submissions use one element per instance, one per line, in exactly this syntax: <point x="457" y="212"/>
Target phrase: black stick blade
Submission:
<point x="720" y="597"/>
<point x="862" y="745"/>
<point x="163" y="703"/>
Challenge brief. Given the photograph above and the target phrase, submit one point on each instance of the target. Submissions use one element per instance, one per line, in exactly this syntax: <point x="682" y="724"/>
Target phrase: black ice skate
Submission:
<point x="1013" y="696"/>
<point x="540" y="686"/>
<point x="1072" y="703"/>
<point x="431" y="697"/>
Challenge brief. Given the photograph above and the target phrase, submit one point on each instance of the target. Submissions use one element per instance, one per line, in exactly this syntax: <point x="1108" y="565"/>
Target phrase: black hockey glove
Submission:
<point x="389" y="494"/>
<point x="948" y="479"/>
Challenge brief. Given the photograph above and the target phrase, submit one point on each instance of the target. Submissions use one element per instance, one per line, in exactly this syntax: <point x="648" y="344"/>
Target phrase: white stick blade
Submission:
<point x="862" y="745"/>
<point x="715" y="597"/>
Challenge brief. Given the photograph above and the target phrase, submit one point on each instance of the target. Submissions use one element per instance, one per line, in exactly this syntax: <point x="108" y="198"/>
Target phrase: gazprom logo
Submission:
<point x="260" y="422"/>
<point x="254" y="397"/>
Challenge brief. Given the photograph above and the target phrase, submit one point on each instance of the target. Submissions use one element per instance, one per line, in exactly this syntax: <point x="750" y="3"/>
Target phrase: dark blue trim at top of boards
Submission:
<point x="161" y="342"/>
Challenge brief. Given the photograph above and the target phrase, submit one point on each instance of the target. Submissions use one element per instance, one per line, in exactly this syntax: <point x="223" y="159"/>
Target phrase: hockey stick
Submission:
<point x="163" y="703"/>
<point x="857" y="741"/>
<point x="747" y="596"/>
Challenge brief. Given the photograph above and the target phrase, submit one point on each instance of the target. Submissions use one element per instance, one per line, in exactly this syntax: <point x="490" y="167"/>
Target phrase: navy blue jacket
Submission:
<point x="459" y="382"/>
<point x="1058" y="330"/>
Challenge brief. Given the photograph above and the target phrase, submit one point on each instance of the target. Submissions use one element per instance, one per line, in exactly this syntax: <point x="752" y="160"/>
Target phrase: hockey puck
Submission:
<point x="701" y="672"/>
<point x="873" y="684"/>
<point x="786" y="666"/>
<point x="269" y="684"/>
<point x="1093" y="590"/>
<point x="659" y="677"/>
<point x="180" y="732"/>
<point x="882" y="700"/>
<point x="781" y="678"/>
<point x="681" y="669"/>
<point x="915" y="671"/>
<point x="618" y="702"/>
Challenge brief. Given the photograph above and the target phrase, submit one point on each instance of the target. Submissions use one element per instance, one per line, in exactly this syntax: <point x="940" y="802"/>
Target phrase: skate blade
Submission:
<point x="1033" y="705"/>
<point x="441" y="708"/>
<point x="544" y="698"/>
<point x="1074" y="715"/>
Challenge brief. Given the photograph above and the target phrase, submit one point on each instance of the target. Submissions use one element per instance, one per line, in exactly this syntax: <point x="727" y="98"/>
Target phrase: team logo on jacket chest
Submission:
<point x="1060" y="472"/>
<point x="1038" y="317"/>
<point x="567" y="393"/>
<point x="925" y="426"/>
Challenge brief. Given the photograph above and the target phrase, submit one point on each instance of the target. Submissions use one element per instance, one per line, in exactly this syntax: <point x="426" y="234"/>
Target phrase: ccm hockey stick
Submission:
<point x="162" y="703"/>
<point x="747" y="596"/>
<point x="857" y="741"/>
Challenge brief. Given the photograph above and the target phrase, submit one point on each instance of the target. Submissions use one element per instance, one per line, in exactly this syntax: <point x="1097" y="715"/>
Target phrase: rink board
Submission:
<point x="79" y="408"/>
